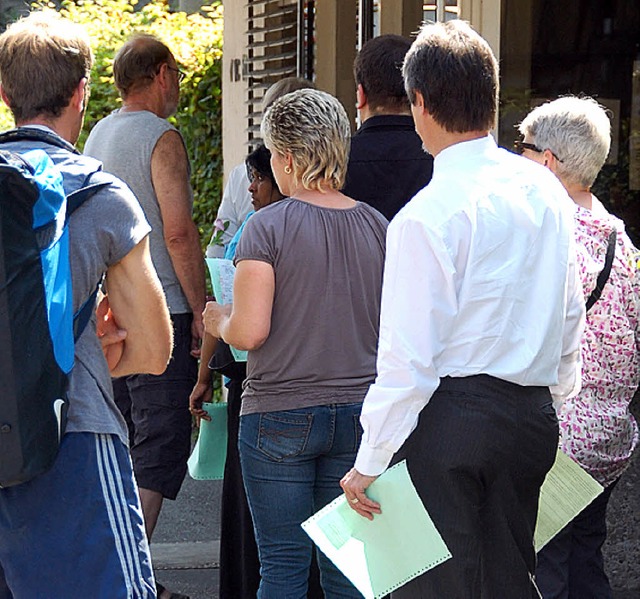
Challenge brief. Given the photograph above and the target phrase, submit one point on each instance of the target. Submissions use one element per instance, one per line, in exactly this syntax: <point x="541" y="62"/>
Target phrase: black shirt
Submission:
<point x="387" y="165"/>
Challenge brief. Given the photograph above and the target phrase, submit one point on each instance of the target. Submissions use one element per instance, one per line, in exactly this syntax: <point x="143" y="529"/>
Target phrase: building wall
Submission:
<point x="336" y="40"/>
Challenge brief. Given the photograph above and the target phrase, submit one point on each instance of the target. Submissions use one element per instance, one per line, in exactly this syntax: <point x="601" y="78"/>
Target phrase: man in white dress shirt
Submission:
<point x="481" y="320"/>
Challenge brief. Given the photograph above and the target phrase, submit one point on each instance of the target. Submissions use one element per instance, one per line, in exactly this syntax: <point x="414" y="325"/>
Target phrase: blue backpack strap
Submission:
<point x="78" y="197"/>
<point x="82" y="317"/>
<point x="93" y="184"/>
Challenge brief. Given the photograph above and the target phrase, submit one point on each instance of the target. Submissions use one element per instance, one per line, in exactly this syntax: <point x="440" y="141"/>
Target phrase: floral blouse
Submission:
<point x="596" y="428"/>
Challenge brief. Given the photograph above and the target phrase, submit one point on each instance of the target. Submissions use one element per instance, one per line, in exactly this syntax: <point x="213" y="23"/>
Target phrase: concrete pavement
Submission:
<point x="186" y="542"/>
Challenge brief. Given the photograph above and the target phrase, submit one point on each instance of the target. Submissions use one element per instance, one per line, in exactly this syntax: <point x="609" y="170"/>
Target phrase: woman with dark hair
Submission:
<point x="239" y="564"/>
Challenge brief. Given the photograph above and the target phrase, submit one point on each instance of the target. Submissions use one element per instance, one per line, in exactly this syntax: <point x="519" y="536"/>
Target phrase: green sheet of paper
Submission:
<point x="566" y="491"/>
<point x="381" y="555"/>
<point x="222" y="272"/>
<point x="210" y="451"/>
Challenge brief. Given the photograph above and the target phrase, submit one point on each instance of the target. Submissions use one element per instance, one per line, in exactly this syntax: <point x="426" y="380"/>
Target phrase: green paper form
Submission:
<point x="222" y="272"/>
<point x="566" y="491"/>
<point x="381" y="555"/>
<point x="210" y="451"/>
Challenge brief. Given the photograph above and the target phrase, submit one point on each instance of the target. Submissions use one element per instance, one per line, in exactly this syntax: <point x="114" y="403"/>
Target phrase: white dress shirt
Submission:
<point x="234" y="207"/>
<point x="480" y="278"/>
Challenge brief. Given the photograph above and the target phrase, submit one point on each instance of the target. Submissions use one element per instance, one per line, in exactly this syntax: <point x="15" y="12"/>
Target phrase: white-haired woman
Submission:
<point x="306" y="306"/>
<point x="571" y="136"/>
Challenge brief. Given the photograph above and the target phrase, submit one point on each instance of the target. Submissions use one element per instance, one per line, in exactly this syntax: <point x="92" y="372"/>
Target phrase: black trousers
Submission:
<point x="571" y="565"/>
<point x="478" y="458"/>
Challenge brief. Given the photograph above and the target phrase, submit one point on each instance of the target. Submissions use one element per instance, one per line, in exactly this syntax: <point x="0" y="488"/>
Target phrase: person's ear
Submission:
<point x="4" y="97"/>
<point x="419" y="102"/>
<point x="361" y="97"/>
<point x="78" y="98"/>
<point x="549" y="160"/>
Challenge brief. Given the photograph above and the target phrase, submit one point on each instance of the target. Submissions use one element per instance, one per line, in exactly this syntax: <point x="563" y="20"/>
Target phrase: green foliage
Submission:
<point x="196" y="42"/>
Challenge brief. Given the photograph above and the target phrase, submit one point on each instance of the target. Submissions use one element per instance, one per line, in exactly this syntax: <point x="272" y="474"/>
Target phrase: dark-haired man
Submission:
<point x="387" y="163"/>
<point x="480" y="326"/>
<point x="140" y="146"/>
<point x="77" y="530"/>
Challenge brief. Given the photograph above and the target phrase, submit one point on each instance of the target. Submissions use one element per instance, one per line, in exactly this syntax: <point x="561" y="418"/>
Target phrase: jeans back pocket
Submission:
<point x="283" y="435"/>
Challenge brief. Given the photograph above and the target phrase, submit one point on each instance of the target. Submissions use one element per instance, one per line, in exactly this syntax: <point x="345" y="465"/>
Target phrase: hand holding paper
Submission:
<point x="382" y="554"/>
<point x="214" y="314"/>
<point x="222" y="273"/>
<point x="354" y="486"/>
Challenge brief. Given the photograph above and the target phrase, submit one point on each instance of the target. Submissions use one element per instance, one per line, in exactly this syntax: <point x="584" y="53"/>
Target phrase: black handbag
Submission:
<point x="223" y="362"/>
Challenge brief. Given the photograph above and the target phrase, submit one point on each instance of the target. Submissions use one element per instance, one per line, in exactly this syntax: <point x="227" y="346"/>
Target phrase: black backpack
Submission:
<point x="38" y="329"/>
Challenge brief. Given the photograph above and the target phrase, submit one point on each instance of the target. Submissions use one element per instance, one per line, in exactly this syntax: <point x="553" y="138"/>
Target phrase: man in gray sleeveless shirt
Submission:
<point x="137" y="144"/>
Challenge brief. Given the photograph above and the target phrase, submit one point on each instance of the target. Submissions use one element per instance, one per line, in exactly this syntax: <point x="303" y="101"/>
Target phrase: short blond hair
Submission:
<point x="43" y="58"/>
<point x="313" y="127"/>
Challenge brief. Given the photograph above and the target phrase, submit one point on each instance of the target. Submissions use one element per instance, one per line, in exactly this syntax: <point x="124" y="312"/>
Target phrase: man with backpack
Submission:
<point x="76" y="530"/>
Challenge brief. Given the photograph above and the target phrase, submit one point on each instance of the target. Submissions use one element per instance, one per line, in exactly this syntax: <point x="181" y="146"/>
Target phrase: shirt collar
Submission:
<point x="388" y="120"/>
<point x="465" y="150"/>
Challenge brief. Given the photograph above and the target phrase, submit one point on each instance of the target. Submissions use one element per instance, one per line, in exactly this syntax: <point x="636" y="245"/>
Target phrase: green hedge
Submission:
<point x="196" y="42"/>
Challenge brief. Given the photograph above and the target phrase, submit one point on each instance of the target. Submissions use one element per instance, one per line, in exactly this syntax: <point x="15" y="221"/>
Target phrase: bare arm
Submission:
<point x="202" y="390"/>
<point x="139" y="307"/>
<point x="170" y="176"/>
<point x="247" y="323"/>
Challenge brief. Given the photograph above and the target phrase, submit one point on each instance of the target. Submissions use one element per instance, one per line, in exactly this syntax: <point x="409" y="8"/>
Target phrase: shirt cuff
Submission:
<point x="372" y="461"/>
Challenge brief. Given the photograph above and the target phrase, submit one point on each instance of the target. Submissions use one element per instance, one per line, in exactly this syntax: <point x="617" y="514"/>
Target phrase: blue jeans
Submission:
<point x="292" y="463"/>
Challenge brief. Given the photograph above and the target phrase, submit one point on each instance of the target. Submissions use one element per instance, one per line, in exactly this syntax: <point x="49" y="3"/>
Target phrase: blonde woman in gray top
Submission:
<point x="306" y="306"/>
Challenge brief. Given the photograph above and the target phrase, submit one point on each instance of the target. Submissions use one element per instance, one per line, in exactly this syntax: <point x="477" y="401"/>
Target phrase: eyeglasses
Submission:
<point x="181" y="74"/>
<point x="521" y="146"/>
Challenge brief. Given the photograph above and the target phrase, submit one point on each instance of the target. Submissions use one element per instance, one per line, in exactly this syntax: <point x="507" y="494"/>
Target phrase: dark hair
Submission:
<point x="378" y="68"/>
<point x="260" y="161"/>
<point x="138" y="62"/>
<point x="457" y="74"/>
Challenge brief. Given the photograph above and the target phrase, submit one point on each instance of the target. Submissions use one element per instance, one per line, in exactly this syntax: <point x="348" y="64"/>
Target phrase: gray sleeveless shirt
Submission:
<point x="124" y="142"/>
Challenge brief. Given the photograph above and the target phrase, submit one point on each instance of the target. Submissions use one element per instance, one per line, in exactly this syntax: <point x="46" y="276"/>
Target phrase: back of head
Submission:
<point x="577" y="131"/>
<point x="456" y="73"/>
<point x="43" y="58"/>
<point x="137" y="63"/>
<point x="282" y="87"/>
<point x="378" y="68"/>
<point x="313" y="127"/>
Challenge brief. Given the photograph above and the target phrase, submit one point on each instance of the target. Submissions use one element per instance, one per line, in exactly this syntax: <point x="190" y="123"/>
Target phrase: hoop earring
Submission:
<point x="287" y="169"/>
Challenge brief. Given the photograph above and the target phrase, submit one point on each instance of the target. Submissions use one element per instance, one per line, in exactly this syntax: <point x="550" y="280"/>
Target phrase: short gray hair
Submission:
<point x="313" y="127"/>
<point x="284" y="86"/>
<point x="577" y="131"/>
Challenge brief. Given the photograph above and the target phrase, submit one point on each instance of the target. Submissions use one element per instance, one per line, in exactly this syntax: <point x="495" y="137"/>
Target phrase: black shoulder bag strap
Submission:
<point x="603" y="277"/>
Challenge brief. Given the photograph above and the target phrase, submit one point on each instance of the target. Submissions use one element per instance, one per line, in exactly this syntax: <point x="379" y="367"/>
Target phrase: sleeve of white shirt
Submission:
<point x="234" y="207"/>
<point x="418" y="302"/>
<point x="569" y="372"/>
